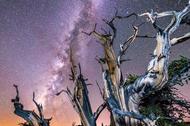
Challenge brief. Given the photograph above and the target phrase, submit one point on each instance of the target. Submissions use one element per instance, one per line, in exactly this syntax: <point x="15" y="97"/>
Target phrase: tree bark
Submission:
<point x="123" y="100"/>
<point x="80" y="99"/>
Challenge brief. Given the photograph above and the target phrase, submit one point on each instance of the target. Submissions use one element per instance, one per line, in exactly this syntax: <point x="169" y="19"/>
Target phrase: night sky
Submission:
<point x="34" y="43"/>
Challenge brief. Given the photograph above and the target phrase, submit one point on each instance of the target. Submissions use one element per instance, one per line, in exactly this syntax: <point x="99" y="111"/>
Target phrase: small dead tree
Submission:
<point x="31" y="118"/>
<point x="79" y="97"/>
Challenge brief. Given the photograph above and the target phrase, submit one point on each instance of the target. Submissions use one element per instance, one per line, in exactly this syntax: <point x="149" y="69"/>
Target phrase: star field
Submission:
<point x="35" y="36"/>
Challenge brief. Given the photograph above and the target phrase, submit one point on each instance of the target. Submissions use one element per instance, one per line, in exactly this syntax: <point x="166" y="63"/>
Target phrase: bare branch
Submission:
<point x="99" y="110"/>
<point x="60" y="92"/>
<point x="110" y="23"/>
<point x="145" y="36"/>
<point x="181" y="39"/>
<point x="178" y="16"/>
<point x="39" y="107"/>
<point x="103" y="38"/>
<point x="126" y="45"/>
<point x="90" y="33"/>
<point x="17" y="94"/>
<point x="152" y="16"/>
<point x="101" y="92"/>
<point x="107" y="36"/>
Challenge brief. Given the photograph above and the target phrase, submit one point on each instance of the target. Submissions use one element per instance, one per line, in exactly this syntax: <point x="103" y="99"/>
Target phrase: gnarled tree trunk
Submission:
<point x="123" y="99"/>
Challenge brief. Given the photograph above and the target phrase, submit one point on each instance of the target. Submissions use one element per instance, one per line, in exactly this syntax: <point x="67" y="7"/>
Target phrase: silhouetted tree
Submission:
<point x="32" y="118"/>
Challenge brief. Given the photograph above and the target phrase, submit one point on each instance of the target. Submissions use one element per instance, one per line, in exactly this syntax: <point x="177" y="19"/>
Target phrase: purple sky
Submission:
<point x="34" y="40"/>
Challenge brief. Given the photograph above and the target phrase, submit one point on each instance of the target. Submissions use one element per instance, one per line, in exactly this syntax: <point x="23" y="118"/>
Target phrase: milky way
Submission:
<point x="35" y="37"/>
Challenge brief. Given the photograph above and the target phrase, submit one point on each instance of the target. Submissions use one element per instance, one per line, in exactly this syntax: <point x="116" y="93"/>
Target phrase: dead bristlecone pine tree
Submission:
<point x="31" y="117"/>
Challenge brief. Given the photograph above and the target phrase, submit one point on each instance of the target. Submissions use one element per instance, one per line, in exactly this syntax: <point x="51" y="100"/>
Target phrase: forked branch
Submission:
<point x="39" y="107"/>
<point x="126" y="45"/>
<point x="111" y="24"/>
<point x="30" y="116"/>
